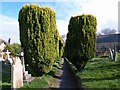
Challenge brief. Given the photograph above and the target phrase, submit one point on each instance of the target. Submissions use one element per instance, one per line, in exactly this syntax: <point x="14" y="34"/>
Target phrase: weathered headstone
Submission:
<point x="111" y="54"/>
<point x="114" y="54"/>
<point x="17" y="74"/>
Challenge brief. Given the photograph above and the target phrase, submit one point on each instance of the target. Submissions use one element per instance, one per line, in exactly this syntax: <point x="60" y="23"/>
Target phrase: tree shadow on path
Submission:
<point x="68" y="79"/>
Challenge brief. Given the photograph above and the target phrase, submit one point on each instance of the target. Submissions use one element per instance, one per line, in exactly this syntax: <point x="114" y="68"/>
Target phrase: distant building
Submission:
<point x="2" y="44"/>
<point x="104" y="42"/>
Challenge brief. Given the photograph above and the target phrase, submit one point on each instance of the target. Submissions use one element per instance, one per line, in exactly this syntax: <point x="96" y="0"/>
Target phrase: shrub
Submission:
<point x="81" y="40"/>
<point x="61" y="46"/>
<point x="39" y="37"/>
<point x="13" y="48"/>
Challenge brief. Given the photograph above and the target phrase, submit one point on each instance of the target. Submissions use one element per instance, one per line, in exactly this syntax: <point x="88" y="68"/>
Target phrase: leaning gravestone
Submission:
<point x="17" y="74"/>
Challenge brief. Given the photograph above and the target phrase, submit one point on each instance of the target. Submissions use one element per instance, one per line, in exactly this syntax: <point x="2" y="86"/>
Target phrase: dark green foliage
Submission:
<point x="81" y="40"/>
<point x="13" y="48"/>
<point x="61" y="45"/>
<point x="39" y="37"/>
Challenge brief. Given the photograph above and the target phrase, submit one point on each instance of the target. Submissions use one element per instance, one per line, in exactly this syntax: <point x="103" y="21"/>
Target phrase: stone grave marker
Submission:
<point x="17" y="74"/>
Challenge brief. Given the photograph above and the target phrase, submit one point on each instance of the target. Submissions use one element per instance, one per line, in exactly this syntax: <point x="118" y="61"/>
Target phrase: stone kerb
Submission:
<point x="17" y="74"/>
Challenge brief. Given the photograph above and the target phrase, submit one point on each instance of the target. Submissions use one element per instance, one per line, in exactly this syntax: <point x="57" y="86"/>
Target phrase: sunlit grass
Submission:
<point x="101" y="73"/>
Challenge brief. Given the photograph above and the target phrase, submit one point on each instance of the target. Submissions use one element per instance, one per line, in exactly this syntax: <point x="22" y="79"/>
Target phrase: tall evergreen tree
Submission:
<point x="39" y="37"/>
<point x="81" y="40"/>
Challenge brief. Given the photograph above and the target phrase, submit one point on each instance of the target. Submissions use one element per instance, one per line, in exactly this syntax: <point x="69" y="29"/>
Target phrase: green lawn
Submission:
<point x="101" y="73"/>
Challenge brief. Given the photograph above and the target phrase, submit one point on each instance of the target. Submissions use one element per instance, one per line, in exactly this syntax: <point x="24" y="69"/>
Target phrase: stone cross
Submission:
<point x="8" y="57"/>
<point x="8" y="54"/>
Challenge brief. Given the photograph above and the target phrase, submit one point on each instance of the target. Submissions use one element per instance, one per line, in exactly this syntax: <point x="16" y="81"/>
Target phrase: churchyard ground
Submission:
<point x="98" y="73"/>
<point x="101" y="73"/>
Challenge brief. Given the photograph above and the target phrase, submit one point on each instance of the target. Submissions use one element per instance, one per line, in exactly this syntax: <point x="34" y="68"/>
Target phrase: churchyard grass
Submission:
<point x="45" y="81"/>
<point x="39" y="82"/>
<point x="118" y="56"/>
<point x="101" y="73"/>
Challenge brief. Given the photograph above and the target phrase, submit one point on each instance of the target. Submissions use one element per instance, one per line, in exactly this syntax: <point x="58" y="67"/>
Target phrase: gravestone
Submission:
<point x="17" y="74"/>
<point x="111" y="53"/>
<point x="8" y="57"/>
<point x="114" y="54"/>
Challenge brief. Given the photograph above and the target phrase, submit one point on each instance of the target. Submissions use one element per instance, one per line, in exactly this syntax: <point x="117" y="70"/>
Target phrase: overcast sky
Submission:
<point x="106" y="12"/>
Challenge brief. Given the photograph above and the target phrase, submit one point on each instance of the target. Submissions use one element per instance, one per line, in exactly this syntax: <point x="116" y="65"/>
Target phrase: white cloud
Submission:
<point x="62" y="26"/>
<point x="106" y="12"/>
<point x="9" y="28"/>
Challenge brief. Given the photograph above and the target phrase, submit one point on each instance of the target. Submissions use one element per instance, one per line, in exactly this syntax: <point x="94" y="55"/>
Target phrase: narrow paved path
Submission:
<point x="66" y="78"/>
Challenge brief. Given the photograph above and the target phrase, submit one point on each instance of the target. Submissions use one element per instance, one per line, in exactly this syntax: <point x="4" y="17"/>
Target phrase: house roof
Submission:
<point x="108" y="38"/>
<point x="2" y="41"/>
